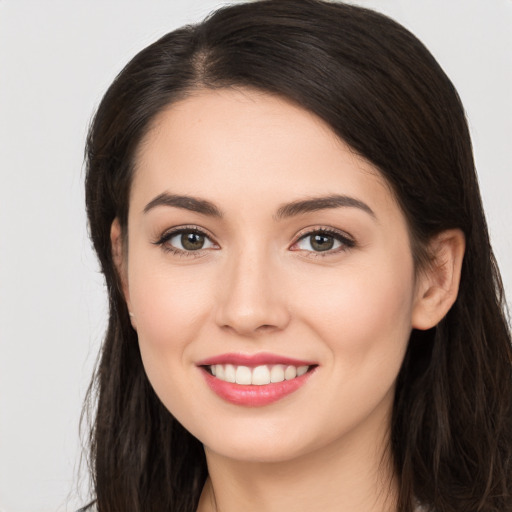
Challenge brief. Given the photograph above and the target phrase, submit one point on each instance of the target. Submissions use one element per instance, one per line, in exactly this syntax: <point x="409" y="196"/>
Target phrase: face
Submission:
<point x="263" y="250"/>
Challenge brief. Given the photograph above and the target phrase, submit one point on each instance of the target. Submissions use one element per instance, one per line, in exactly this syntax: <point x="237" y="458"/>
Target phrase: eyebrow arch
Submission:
<point x="186" y="202"/>
<point x="292" y="209"/>
<point x="322" y="203"/>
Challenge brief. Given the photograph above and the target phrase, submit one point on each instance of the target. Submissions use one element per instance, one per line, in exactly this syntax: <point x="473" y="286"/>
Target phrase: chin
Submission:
<point x="264" y="443"/>
<point x="270" y="451"/>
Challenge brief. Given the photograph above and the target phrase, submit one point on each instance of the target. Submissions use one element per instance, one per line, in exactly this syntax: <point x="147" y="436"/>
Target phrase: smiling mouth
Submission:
<point x="255" y="380"/>
<point x="258" y="375"/>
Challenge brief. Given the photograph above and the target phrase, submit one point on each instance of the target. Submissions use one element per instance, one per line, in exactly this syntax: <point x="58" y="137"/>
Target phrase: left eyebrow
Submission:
<point x="321" y="203"/>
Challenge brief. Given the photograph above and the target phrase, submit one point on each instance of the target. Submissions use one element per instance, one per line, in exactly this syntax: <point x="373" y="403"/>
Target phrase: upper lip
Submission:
<point x="259" y="359"/>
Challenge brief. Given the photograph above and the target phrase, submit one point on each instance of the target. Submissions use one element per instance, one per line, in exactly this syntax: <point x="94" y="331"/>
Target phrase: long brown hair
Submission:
<point x="384" y="94"/>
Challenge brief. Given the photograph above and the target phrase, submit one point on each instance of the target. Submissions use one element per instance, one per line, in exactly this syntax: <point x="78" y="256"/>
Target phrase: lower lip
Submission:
<point x="254" y="396"/>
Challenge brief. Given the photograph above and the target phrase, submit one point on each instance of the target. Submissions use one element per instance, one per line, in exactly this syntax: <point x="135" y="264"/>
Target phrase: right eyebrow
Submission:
<point x="191" y="203"/>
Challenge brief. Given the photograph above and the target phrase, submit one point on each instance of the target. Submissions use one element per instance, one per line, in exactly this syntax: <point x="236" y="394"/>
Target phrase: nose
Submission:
<point x="252" y="299"/>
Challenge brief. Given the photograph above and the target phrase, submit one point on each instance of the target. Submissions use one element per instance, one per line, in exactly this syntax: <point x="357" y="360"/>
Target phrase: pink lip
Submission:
<point x="252" y="395"/>
<point x="253" y="360"/>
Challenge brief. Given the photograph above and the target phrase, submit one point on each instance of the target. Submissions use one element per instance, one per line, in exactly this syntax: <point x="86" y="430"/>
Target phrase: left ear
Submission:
<point x="438" y="283"/>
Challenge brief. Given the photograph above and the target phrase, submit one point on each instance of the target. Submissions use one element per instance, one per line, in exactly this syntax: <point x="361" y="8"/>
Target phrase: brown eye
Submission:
<point x="192" y="241"/>
<point x="186" y="241"/>
<point x="322" y="242"/>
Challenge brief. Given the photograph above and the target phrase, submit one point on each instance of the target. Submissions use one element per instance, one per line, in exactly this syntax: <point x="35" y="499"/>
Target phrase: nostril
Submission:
<point x="250" y="314"/>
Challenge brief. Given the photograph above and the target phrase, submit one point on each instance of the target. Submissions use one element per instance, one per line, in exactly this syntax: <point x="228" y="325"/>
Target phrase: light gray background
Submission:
<point x="56" y="60"/>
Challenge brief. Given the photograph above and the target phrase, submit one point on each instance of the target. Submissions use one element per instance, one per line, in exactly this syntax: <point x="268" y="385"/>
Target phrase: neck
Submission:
<point x="351" y="475"/>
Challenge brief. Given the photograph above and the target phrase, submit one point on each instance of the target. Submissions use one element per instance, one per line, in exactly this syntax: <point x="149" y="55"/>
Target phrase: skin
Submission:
<point x="258" y="286"/>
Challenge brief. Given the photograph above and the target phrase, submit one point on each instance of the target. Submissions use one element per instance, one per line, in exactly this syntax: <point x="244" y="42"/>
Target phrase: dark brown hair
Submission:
<point x="384" y="94"/>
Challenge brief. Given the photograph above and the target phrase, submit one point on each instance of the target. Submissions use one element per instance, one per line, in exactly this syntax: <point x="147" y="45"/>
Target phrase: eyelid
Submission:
<point x="186" y="228"/>
<point x="343" y="237"/>
<point x="346" y="240"/>
<point x="177" y="230"/>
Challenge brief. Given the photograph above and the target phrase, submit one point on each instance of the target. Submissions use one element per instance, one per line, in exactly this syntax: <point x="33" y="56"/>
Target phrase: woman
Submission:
<point x="305" y="312"/>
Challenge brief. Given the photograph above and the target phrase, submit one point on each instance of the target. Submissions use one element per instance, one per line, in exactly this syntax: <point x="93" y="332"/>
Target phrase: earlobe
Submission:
<point x="438" y="284"/>
<point x="119" y="259"/>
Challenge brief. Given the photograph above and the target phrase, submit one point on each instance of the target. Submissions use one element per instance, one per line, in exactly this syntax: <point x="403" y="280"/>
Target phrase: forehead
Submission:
<point x="248" y="145"/>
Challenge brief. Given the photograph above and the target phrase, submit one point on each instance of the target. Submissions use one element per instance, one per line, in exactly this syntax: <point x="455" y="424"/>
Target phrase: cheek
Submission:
<point x="166" y="300"/>
<point x="171" y="309"/>
<point x="366" y="310"/>
<point x="365" y="323"/>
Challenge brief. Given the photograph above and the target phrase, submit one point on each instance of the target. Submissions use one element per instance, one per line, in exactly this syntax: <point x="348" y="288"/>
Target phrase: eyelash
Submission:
<point x="168" y="235"/>
<point x="346" y="242"/>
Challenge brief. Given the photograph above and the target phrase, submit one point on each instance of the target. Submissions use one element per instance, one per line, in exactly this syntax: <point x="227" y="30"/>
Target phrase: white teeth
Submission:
<point x="290" y="373"/>
<point x="301" y="370"/>
<point x="277" y="373"/>
<point x="219" y="372"/>
<point x="230" y="373"/>
<point x="243" y="375"/>
<point x="259" y="375"/>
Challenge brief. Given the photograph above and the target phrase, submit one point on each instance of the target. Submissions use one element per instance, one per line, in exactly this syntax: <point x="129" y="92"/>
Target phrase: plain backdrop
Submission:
<point x="56" y="60"/>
